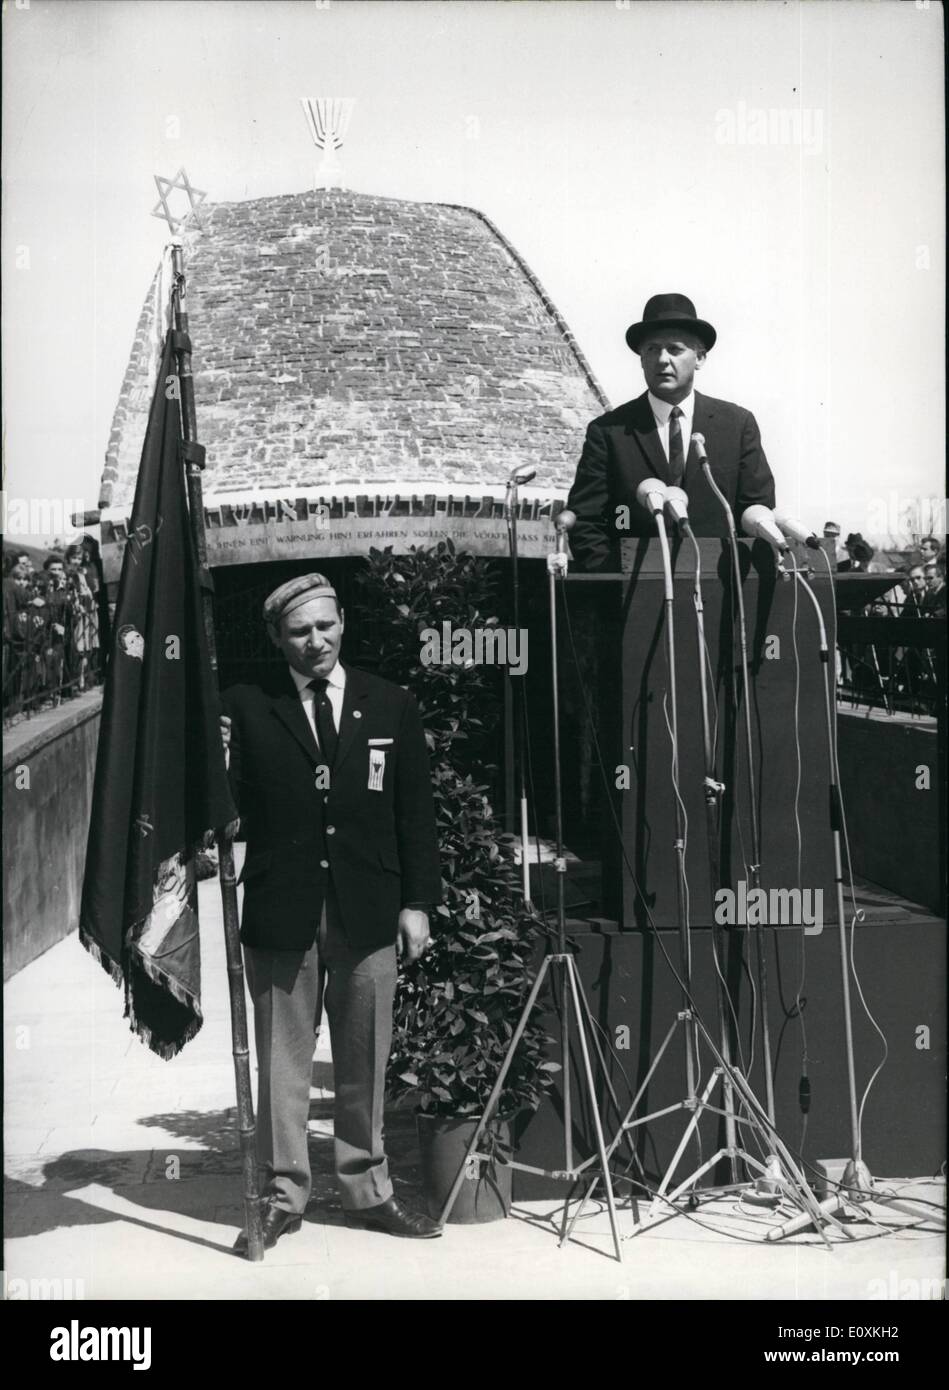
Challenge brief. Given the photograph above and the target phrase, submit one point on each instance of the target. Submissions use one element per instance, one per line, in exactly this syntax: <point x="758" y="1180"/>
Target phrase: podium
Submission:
<point x="777" y="680"/>
<point x="623" y="961"/>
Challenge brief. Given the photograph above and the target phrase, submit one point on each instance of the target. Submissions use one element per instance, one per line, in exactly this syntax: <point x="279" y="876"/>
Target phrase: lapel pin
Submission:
<point x="357" y="714"/>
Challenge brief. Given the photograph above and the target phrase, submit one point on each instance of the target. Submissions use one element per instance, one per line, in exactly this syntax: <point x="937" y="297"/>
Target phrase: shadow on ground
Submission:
<point x="201" y="1181"/>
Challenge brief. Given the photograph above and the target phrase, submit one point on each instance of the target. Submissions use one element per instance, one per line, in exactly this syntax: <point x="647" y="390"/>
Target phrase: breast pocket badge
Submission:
<point x="377" y="768"/>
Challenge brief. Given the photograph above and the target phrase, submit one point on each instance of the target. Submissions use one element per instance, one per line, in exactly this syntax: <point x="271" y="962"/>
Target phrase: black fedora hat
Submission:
<point x="670" y="311"/>
<point x="861" y="549"/>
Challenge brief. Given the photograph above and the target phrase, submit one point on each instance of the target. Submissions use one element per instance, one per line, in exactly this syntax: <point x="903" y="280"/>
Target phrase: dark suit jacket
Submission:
<point x="934" y="604"/>
<point x="378" y="846"/>
<point x="622" y="449"/>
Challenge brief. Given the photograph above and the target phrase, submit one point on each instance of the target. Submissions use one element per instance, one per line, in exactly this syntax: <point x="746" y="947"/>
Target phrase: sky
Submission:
<point x="781" y="164"/>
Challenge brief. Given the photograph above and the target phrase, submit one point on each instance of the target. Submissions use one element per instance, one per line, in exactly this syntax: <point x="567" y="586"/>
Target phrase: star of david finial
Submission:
<point x="195" y="196"/>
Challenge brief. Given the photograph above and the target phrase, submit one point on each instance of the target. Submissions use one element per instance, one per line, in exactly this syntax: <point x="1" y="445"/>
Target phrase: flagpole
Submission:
<point x="194" y="463"/>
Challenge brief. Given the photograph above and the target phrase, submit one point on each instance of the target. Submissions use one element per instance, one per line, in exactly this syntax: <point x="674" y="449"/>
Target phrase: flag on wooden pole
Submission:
<point x="161" y="782"/>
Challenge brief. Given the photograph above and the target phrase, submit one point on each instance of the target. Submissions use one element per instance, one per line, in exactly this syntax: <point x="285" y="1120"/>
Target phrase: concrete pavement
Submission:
<point x="123" y="1181"/>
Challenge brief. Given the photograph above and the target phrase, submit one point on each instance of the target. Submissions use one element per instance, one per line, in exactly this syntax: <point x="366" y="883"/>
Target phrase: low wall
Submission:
<point x="48" y="770"/>
<point x="895" y="810"/>
<point x="901" y="960"/>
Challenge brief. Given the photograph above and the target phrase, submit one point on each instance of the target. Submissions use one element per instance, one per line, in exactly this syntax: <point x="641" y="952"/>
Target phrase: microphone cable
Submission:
<point x="904" y="1231"/>
<point x="754" y="791"/>
<point x="541" y="917"/>
<point x="748" y="944"/>
<point x="760" y="1112"/>
<point x="800" y="1001"/>
<point x="797" y="1154"/>
<point x="710" y="685"/>
<point x="858" y="914"/>
<point x="674" y="746"/>
<point x="521" y="715"/>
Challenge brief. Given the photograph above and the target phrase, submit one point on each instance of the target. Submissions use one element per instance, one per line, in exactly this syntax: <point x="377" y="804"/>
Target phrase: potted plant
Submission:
<point x="457" y="1007"/>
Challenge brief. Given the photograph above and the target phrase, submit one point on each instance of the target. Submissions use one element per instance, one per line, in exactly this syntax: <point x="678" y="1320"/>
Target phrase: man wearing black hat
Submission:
<point x="859" y="554"/>
<point x="331" y="774"/>
<point x="652" y="436"/>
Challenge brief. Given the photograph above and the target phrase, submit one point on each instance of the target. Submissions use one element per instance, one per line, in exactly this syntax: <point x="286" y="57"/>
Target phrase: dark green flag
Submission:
<point x="161" y="782"/>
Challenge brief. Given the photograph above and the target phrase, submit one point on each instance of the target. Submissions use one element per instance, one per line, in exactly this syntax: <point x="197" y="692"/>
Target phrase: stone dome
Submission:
<point x="345" y="340"/>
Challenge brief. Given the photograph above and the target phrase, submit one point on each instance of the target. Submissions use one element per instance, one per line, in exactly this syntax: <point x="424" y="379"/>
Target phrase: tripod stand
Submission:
<point x="857" y="1187"/>
<point x="789" y="1181"/>
<point x="754" y="868"/>
<point x="560" y="964"/>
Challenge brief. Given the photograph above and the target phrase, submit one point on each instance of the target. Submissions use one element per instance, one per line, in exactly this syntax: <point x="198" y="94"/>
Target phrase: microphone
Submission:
<point x="564" y="522"/>
<point x="677" y="505"/>
<point x="523" y="474"/>
<point x="651" y="494"/>
<point x="796" y="530"/>
<point x="698" y="443"/>
<point x="759" y="521"/>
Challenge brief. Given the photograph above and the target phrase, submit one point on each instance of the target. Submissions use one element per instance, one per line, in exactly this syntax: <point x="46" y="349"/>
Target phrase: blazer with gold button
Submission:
<point x="372" y="830"/>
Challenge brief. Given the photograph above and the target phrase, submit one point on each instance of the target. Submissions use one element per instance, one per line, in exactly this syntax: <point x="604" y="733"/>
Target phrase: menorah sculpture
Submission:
<point x="328" y="119"/>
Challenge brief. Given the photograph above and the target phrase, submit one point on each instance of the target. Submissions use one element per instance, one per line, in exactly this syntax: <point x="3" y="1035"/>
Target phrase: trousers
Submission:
<point x="285" y="987"/>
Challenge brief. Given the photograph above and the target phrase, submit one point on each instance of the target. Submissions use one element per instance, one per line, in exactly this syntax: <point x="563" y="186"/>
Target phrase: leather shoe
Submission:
<point x="276" y="1223"/>
<point x="394" y="1219"/>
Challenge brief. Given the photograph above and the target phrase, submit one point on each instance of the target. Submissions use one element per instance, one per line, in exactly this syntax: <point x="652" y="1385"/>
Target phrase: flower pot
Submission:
<point x="485" y="1193"/>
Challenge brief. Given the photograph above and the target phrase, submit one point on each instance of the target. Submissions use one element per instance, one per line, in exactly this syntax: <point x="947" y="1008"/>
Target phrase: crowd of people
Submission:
<point x="56" y="618"/>
<point x="919" y="573"/>
<point x="891" y="674"/>
<point x="55" y="621"/>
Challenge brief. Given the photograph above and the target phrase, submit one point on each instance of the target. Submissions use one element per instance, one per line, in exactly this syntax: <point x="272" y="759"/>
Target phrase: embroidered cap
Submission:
<point x="296" y="591"/>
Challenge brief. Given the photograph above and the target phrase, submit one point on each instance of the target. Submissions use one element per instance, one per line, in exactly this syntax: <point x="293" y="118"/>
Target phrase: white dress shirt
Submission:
<point x="661" y="411"/>
<point x="335" y="691"/>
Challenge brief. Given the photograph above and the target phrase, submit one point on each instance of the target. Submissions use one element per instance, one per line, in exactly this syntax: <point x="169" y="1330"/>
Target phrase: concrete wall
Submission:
<point x="897" y="832"/>
<point x="628" y="983"/>
<point x="48" y="769"/>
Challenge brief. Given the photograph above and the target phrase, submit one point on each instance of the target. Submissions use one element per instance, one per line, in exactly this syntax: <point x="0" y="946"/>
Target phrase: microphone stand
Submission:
<point x="682" y="885"/>
<point x="518" y="694"/>
<point x="562" y="965"/>
<point x="754" y="867"/>
<point x="713" y="790"/>
<point x="772" y="1179"/>
<point x="856" y="1186"/>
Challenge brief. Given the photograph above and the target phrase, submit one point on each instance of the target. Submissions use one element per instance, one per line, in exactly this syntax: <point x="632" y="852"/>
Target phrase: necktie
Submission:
<point x="324" y="720"/>
<point x="676" y="452"/>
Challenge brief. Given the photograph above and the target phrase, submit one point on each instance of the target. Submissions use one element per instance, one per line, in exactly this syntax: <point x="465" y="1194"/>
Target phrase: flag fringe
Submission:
<point x="142" y="1030"/>
<point x="149" y="967"/>
<point x="165" y="1050"/>
<point x="111" y="967"/>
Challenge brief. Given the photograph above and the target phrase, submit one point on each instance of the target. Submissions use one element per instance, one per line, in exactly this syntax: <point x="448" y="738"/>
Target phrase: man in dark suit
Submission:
<point x="914" y="587"/>
<point x="330" y="772"/>
<point x="934" y="601"/>
<point x="652" y="436"/>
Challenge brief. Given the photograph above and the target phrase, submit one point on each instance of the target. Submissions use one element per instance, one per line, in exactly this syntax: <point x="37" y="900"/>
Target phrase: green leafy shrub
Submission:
<point x="457" y="1007"/>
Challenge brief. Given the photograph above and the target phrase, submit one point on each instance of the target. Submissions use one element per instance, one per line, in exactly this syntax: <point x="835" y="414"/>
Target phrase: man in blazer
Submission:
<point x="652" y="436"/>
<point x="330" y="772"/>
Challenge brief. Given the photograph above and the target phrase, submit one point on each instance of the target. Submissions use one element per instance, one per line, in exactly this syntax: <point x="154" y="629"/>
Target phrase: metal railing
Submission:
<point x="891" y="661"/>
<point x="48" y="663"/>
